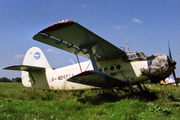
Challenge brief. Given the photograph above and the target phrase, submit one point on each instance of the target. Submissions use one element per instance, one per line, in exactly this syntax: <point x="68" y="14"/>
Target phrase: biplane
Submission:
<point x="109" y="66"/>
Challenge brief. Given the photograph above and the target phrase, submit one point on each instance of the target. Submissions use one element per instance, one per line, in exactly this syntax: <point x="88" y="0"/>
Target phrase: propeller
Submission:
<point x="173" y="63"/>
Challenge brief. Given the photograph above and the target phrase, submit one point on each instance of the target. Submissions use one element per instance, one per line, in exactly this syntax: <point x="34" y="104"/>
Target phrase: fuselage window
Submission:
<point x="112" y="68"/>
<point x="105" y="69"/>
<point x="118" y="67"/>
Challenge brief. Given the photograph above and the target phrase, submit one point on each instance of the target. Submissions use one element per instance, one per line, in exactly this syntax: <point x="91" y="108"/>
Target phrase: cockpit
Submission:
<point x="134" y="56"/>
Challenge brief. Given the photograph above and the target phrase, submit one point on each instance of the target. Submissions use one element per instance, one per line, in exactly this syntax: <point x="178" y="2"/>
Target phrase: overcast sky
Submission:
<point x="146" y="24"/>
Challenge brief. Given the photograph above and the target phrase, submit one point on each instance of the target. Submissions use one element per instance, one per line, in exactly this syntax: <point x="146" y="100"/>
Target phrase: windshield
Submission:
<point x="140" y="55"/>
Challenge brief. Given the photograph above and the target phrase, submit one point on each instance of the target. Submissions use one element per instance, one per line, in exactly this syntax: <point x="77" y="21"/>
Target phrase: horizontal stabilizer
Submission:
<point x="23" y="68"/>
<point x="98" y="79"/>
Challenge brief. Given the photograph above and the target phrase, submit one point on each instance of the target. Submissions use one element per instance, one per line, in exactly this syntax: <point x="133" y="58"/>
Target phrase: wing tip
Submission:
<point x="9" y="67"/>
<point x="58" y="25"/>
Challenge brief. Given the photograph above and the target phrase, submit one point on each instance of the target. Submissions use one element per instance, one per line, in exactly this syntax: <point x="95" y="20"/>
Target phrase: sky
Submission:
<point x="147" y="25"/>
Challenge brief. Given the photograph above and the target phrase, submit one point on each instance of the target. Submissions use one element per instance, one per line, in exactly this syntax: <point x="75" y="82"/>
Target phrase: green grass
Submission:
<point x="20" y="103"/>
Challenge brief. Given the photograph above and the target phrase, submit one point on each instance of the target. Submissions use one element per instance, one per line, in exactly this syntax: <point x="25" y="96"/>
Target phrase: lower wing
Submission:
<point x="98" y="79"/>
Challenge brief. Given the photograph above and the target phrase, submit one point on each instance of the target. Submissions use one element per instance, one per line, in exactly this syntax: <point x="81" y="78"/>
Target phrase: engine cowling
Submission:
<point x="160" y="68"/>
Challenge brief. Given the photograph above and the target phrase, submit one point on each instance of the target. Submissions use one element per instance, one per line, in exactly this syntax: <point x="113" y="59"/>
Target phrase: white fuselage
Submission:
<point x="47" y="78"/>
<point x="57" y="79"/>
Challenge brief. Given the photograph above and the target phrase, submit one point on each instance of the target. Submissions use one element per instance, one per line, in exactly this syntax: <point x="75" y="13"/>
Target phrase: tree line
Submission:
<point x="5" y="79"/>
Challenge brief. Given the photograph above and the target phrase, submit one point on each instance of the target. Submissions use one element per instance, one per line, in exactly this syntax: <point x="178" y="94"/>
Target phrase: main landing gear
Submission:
<point x="139" y="87"/>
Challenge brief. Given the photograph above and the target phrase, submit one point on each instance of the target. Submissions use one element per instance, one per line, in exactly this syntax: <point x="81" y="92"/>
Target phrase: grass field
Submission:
<point x="157" y="103"/>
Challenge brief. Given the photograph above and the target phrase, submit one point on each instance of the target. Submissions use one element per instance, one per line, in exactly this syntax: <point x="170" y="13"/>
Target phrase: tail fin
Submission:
<point x="34" y="68"/>
<point x="35" y="57"/>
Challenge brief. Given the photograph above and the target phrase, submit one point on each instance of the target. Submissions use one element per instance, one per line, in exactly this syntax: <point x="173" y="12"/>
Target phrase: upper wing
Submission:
<point x="98" y="79"/>
<point x="72" y="37"/>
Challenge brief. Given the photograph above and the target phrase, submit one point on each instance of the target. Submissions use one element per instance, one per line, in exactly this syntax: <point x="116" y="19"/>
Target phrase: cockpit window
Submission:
<point x="140" y="55"/>
<point x="131" y="56"/>
<point x="135" y="56"/>
<point x="143" y="54"/>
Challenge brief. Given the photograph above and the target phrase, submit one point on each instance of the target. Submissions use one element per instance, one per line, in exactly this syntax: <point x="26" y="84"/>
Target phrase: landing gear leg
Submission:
<point x="131" y="88"/>
<point x="140" y="87"/>
<point x="144" y="86"/>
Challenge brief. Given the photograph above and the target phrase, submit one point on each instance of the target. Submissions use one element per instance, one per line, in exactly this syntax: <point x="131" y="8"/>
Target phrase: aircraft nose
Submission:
<point x="159" y="69"/>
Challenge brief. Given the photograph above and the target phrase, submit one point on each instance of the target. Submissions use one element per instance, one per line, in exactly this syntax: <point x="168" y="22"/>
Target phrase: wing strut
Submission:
<point x="89" y="47"/>
<point x="78" y="62"/>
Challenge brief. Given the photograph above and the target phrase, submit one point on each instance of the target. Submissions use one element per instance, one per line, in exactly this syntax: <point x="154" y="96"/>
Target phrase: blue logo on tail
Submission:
<point x="37" y="55"/>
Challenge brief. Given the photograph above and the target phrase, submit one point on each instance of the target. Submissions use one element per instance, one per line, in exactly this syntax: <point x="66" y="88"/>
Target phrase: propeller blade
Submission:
<point x="169" y="51"/>
<point x="172" y="68"/>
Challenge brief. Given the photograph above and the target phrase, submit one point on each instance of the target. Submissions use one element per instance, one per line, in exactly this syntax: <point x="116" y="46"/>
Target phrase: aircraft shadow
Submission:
<point x="114" y="96"/>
